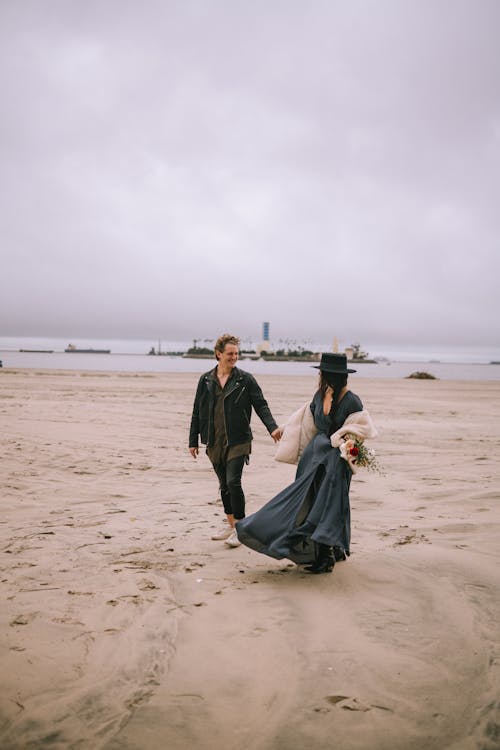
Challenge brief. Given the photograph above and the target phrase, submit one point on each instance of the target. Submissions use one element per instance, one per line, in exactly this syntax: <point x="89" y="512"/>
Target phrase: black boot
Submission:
<point x="324" y="560"/>
<point x="338" y="553"/>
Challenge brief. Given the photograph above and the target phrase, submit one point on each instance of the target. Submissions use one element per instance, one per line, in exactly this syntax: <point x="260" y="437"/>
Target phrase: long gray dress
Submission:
<point x="315" y="507"/>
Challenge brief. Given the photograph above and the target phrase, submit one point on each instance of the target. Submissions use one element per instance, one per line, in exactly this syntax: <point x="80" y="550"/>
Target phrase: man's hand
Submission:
<point x="276" y="435"/>
<point x="194" y="452"/>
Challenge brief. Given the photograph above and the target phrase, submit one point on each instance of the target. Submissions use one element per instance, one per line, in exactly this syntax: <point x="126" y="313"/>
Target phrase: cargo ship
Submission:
<point x="71" y="348"/>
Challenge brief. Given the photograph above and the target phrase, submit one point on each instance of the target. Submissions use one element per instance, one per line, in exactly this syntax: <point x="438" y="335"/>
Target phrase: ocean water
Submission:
<point x="131" y="356"/>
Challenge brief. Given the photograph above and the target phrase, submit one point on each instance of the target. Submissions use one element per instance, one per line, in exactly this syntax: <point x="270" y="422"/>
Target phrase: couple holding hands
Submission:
<point x="308" y="522"/>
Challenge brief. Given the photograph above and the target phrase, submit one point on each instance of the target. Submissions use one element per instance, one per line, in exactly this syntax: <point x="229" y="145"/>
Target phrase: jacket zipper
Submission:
<point x="224" y="412"/>
<point x="228" y="394"/>
<point x="209" y="412"/>
<point x="240" y="395"/>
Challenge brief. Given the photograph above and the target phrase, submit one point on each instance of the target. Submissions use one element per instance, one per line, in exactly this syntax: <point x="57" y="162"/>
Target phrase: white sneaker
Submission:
<point x="233" y="540"/>
<point x="224" y="532"/>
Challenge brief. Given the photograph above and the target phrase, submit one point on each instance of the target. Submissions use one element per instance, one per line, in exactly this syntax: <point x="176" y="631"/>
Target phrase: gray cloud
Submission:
<point x="180" y="168"/>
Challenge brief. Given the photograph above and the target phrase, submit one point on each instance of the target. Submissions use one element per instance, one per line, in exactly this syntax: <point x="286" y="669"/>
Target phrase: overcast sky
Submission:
<point x="180" y="168"/>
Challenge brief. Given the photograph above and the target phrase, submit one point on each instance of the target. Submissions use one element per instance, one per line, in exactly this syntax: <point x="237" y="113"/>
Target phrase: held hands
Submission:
<point x="276" y="436"/>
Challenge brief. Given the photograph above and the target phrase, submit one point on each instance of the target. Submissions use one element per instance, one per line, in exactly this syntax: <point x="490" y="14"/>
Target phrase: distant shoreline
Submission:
<point x="430" y="355"/>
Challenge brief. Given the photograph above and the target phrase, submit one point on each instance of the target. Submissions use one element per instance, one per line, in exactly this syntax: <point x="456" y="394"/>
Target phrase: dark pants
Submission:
<point x="233" y="498"/>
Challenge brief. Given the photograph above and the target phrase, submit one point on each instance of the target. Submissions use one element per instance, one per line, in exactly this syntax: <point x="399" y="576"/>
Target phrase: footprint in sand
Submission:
<point x="351" y="704"/>
<point x="192" y="565"/>
<point x="413" y="537"/>
<point x="257" y="631"/>
<point x="23" y="619"/>
<point x="146" y="585"/>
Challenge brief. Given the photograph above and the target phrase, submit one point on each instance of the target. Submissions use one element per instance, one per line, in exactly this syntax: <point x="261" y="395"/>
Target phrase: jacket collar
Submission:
<point x="234" y="381"/>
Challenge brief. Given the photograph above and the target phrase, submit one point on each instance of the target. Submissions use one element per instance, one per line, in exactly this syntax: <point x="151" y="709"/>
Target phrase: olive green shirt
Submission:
<point x="219" y="452"/>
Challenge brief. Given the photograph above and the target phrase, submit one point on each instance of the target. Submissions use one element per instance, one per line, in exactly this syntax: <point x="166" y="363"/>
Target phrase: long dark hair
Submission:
<point x="334" y="380"/>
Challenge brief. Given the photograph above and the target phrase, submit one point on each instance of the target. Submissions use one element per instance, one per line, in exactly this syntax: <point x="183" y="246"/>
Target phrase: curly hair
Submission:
<point x="222" y="341"/>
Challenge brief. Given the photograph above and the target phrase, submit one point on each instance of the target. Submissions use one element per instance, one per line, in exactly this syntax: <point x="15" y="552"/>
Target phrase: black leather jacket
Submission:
<point x="241" y="394"/>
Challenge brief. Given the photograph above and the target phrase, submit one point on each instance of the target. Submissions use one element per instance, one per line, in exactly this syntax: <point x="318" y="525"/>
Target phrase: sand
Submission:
<point x="124" y="627"/>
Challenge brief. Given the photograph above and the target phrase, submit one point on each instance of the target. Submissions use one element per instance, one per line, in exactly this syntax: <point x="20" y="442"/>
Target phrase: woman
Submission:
<point x="309" y="521"/>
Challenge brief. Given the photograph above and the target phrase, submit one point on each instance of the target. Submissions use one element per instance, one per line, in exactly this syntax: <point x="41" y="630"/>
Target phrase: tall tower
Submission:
<point x="264" y="345"/>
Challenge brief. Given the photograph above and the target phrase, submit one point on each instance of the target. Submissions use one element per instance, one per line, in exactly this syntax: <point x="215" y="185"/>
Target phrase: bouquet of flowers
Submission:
<point x="354" y="451"/>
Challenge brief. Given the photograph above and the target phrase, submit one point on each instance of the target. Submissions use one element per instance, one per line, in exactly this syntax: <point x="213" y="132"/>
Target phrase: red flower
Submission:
<point x="354" y="451"/>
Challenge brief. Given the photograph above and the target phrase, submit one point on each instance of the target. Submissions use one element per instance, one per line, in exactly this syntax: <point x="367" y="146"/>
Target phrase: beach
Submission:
<point x="125" y="627"/>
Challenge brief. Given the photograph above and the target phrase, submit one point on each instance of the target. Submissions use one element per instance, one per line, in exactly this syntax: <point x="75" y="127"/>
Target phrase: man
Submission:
<point x="221" y="417"/>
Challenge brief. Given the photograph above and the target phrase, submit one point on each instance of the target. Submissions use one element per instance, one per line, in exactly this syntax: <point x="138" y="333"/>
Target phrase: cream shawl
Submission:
<point x="299" y="430"/>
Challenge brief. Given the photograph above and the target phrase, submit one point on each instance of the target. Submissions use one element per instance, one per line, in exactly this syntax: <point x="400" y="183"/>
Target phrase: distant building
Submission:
<point x="264" y="345"/>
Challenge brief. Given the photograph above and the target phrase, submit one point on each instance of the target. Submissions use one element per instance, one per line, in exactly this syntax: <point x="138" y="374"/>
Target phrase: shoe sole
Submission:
<point x="221" y="536"/>
<point x="232" y="544"/>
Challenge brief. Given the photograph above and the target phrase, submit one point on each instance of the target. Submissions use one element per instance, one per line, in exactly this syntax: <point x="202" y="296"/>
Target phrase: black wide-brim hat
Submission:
<point x="334" y="363"/>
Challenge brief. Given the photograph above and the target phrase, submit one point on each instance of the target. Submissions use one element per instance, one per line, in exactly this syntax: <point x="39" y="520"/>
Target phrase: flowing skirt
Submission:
<point x="313" y="509"/>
